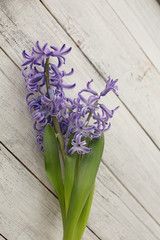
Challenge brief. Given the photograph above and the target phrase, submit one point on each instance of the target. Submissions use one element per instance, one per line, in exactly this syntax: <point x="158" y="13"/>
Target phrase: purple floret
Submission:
<point x="110" y="86"/>
<point x="79" y="146"/>
<point x="60" y="54"/>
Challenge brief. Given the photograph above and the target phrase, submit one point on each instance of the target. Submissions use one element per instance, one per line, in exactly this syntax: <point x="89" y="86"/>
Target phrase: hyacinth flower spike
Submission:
<point x="71" y="129"/>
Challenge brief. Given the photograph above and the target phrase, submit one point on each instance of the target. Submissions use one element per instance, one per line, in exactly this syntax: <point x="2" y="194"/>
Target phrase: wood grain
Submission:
<point x="133" y="148"/>
<point x="106" y="42"/>
<point x="29" y="210"/>
<point x="127" y="197"/>
<point x="142" y="20"/>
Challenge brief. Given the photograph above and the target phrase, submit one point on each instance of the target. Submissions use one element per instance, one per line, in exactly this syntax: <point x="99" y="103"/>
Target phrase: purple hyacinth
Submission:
<point x="79" y="146"/>
<point x="60" y="54"/>
<point x="110" y="86"/>
<point x="37" y="56"/>
<point x="83" y="117"/>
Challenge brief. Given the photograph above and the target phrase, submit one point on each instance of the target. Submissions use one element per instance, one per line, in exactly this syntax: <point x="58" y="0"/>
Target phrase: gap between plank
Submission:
<point x="38" y="181"/>
<point x="27" y="168"/>
<point x="133" y="36"/>
<point x="3" y="236"/>
<point x="102" y="162"/>
<point x="94" y="233"/>
<point x="100" y="74"/>
<point x="134" y="199"/>
<point x="10" y="58"/>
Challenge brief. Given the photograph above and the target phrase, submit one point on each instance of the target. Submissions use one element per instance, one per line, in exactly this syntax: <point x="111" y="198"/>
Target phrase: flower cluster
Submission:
<point x="83" y="117"/>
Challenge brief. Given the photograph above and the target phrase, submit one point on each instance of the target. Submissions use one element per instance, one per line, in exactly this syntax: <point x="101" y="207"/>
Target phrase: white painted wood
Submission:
<point x="142" y="19"/>
<point x="133" y="147"/>
<point x="115" y="212"/>
<point x="104" y="39"/>
<point x="17" y="134"/>
<point x="28" y="210"/>
<point x="127" y="151"/>
<point x="2" y="238"/>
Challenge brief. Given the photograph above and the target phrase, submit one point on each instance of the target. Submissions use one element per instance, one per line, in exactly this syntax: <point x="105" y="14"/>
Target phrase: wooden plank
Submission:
<point x="142" y="20"/>
<point x="2" y="237"/>
<point x="20" y="137"/>
<point x="28" y="209"/>
<point x="128" y="219"/>
<point x="102" y="37"/>
<point x="115" y="211"/>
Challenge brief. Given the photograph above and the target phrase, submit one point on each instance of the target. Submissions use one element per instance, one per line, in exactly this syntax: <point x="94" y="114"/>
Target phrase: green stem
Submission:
<point x="59" y="136"/>
<point x="88" y="118"/>
<point x="90" y="114"/>
<point x="55" y="121"/>
<point x="47" y="74"/>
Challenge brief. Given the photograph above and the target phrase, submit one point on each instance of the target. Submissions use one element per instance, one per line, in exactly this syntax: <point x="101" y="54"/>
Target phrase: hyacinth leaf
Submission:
<point x="52" y="164"/>
<point x="83" y="185"/>
<point x="82" y="221"/>
<point x="70" y="167"/>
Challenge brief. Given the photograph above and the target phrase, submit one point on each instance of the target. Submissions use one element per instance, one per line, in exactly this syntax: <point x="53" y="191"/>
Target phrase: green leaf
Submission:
<point x="82" y="221"/>
<point x="52" y="164"/>
<point x="83" y="185"/>
<point x="70" y="167"/>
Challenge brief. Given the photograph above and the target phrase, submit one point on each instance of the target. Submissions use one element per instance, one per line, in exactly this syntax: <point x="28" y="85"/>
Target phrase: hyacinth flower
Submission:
<point x="71" y="129"/>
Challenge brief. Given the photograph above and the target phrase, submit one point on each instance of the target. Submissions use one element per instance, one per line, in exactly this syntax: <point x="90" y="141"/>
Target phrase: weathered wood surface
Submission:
<point x="2" y="237"/>
<point x="127" y="196"/>
<point x="106" y="42"/>
<point x="28" y="206"/>
<point x="142" y="19"/>
<point x="29" y="211"/>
